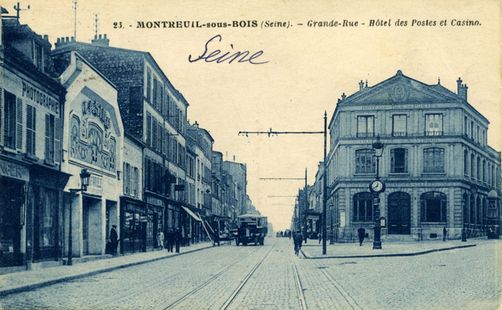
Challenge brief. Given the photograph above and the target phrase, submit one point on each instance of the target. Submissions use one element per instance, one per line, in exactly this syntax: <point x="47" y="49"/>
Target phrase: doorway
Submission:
<point x="399" y="213"/>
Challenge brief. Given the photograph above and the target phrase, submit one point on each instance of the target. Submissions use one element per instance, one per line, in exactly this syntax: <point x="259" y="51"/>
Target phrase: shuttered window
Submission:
<point x="127" y="177"/>
<point x="1" y="117"/>
<point x="58" y="141"/>
<point x="31" y="116"/>
<point x="9" y="122"/>
<point x="148" y="129"/>
<point x="19" y="124"/>
<point x="49" y="138"/>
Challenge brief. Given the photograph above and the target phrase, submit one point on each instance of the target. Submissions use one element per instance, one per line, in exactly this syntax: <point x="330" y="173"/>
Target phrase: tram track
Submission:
<point x="214" y="277"/>
<point x="248" y="276"/>
<point x="299" y="289"/>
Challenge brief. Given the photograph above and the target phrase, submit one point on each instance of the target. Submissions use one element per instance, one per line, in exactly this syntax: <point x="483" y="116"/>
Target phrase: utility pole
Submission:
<point x="75" y="19"/>
<point x="271" y="133"/>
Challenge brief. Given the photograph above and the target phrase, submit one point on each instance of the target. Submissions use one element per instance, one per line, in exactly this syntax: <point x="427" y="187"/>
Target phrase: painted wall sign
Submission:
<point x="93" y="139"/>
<point x="34" y="94"/>
<point x="12" y="170"/>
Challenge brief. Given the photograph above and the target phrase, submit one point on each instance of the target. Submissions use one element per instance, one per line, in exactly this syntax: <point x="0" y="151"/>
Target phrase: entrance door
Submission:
<point x="85" y="226"/>
<point x="399" y="213"/>
<point x="11" y="202"/>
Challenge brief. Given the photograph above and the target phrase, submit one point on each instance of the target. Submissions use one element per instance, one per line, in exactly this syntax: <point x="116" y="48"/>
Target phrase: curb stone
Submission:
<point x="32" y="286"/>
<point x="307" y="256"/>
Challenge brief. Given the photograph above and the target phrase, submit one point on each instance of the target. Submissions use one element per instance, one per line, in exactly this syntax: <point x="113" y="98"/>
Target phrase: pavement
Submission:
<point x="27" y="280"/>
<point x="467" y="278"/>
<point x="313" y="250"/>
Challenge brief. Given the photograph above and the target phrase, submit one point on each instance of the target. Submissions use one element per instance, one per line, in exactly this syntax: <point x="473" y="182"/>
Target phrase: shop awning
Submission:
<point x="192" y="214"/>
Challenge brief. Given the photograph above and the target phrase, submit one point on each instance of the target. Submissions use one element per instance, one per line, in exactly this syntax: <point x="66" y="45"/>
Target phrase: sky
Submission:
<point x="307" y="68"/>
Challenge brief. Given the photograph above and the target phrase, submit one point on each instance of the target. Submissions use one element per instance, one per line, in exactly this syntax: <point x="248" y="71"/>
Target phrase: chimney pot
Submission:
<point x="361" y="85"/>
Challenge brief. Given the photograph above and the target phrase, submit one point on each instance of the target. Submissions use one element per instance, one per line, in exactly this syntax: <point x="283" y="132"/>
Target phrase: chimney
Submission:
<point x="361" y="85"/>
<point x="60" y="42"/>
<point x="100" y="40"/>
<point x="462" y="89"/>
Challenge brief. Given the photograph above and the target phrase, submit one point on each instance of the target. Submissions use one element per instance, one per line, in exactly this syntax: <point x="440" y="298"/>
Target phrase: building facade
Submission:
<point x="154" y="113"/>
<point x="93" y="139"/>
<point x="31" y="180"/>
<point x="436" y="164"/>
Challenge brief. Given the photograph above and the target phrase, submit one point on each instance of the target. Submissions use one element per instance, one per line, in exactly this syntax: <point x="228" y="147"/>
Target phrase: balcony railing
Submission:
<point x="433" y="132"/>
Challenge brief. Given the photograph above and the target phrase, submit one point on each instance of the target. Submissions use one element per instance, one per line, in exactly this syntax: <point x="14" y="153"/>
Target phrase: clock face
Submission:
<point x="376" y="186"/>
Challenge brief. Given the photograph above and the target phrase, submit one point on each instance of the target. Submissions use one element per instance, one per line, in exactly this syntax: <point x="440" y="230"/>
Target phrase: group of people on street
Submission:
<point x="172" y="242"/>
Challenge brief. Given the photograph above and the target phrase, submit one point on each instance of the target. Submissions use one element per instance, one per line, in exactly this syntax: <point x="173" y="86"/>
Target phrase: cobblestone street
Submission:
<point x="271" y="277"/>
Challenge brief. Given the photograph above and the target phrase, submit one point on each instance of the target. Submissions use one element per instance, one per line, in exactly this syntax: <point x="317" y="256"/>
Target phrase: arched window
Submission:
<point x="473" y="166"/>
<point x="433" y="207"/>
<point x="466" y="208"/>
<point x="472" y="210"/>
<point x="434" y="159"/>
<point x="479" y="211"/>
<point x="365" y="161"/>
<point x="466" y="163"/>
<point x="484" y="171"/>
<point x="399" y="160"/>
<point x="363" y="207"/>
<point x="478" y="168"/>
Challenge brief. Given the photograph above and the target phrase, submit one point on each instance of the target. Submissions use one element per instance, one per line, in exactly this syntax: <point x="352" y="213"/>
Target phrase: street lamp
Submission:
<point x="377" y="186"/>
<point x="84" y="182"/>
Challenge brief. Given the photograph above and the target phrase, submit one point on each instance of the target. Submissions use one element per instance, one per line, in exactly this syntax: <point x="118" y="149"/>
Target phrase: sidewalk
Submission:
<point x="27" y="280"/>
<point x="353" y="250"/>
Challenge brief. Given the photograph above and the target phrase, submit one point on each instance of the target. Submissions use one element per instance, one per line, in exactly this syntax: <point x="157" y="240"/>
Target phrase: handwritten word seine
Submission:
<point x="230" y="56"/>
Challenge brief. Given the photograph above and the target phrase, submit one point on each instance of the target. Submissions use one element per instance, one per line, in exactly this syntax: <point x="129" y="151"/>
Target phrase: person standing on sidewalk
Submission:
<point x="445" y="232"/>
<point x="114" y="239"/>
<point x="360" y="234"/>
<point x="297" y="241"/>
<point x="160" y="240"/>
<point x="177" y="239"/>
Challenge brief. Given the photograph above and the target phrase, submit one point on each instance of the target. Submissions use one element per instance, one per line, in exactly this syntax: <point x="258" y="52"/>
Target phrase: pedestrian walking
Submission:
<point x="170" y="242"/>
<point x="114" y="240"/>
<point x="177" y="239"/>
<point x="360" y="234"/>
<point x="445" y="232"/>
<point x="319" y="235"/>
<point x="297" y="241"/>
<point x="160" y="240"/>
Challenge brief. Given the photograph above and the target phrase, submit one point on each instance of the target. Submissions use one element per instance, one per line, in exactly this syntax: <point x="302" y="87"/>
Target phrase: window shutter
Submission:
<point x="19" y="124"/>
<point x="47" y="137"/>
<point x="1" y="117"/>
<point x="148" y="129"/>
<point x="57" y="139"/>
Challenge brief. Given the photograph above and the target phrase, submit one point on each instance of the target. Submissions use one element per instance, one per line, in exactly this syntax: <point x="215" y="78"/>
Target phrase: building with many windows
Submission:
<point x="154" y="113"/>
<point x="93" y="139"/>
<point x="436" y="164"/>
<point x="31" y="180"/>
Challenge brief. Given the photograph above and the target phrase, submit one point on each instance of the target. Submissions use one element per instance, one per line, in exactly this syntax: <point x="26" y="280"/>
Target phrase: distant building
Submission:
<point x="436" y="163"/>
<point x="238" y="171"/>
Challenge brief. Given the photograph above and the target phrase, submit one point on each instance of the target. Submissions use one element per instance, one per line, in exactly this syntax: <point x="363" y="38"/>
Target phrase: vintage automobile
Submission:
<point x="252" y="228"/>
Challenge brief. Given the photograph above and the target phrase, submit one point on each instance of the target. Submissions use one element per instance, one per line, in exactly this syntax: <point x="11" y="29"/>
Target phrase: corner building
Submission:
<point x="436" y="164"/>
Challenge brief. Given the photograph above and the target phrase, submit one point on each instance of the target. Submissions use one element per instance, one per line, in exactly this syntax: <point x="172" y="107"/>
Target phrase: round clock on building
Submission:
<point x="377" y="186"/>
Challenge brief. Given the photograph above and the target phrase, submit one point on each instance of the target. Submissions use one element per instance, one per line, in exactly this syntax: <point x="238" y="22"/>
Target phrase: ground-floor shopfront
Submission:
<point x="140" y="224"/>
<point x="92" y="218"/>
<point x="421" y="212"/>
<point x="30" y="213"/>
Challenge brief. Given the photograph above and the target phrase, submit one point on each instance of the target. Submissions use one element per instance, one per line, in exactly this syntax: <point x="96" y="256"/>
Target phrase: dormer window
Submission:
<point x="38" y="56"/>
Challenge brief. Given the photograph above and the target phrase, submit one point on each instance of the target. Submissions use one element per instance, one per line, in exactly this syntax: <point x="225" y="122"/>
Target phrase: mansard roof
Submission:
<point x="401" y="89"/>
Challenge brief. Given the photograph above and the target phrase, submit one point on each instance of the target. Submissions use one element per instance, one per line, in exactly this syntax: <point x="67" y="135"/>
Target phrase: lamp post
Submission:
<point x="376" y="187"/>
<point x="84" y="182"/>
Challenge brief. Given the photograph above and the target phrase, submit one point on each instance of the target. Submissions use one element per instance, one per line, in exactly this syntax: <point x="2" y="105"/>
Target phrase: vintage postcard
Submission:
<point x="169" y="154"/>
